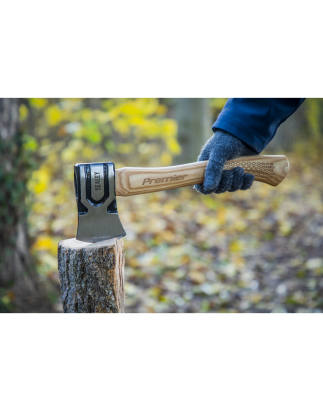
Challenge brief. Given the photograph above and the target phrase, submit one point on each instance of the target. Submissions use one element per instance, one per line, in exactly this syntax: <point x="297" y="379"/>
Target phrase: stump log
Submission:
<point x="91" y="276"/>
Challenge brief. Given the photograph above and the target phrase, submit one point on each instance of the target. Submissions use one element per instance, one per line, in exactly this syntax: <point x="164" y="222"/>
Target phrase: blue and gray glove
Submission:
<point x="220" y="148"/>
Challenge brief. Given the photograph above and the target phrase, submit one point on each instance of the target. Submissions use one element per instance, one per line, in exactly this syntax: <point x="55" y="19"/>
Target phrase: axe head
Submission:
<point x="98" y="217"/>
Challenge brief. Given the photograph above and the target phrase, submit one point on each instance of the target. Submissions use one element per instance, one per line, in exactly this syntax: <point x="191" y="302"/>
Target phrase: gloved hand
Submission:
<point x="220" y="148"/>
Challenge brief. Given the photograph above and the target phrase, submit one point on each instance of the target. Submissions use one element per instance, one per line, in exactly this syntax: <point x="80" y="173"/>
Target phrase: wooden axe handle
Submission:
<point x="139" y="180"/>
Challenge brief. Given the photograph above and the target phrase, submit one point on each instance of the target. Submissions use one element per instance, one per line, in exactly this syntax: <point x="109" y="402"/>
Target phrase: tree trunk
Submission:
<point x="20" y="287"/>
<point x="92" y="276"/>
<point x="194" y="127"/>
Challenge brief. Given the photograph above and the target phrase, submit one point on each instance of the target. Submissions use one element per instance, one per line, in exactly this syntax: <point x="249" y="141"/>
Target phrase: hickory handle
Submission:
<point x="136" y="180"/>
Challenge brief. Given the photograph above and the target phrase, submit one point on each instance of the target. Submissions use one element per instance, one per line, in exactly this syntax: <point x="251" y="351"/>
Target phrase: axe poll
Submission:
<point x="97" y="184"/>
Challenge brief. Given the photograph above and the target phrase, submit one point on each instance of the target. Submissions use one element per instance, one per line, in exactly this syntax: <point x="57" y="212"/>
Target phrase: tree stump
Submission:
<point x="92" y="276"/>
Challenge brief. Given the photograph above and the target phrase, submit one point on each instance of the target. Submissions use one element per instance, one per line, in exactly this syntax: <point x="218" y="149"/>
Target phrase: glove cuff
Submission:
<point x="234" y="146"/>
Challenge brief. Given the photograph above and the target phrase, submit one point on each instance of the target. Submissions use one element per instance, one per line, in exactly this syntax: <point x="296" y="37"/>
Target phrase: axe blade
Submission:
<point x="98" y="217"/>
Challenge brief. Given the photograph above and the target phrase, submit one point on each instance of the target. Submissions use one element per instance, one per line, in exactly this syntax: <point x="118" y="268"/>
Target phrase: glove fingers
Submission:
<point x="213" y="171"/>
<point x="238" y="179"/>
<point x="226" y="182"/>
<point x="247" y="181"/>
<point x="231" y="180"/>
<point x="204" y="155"/>
<point x="200" y="188"/>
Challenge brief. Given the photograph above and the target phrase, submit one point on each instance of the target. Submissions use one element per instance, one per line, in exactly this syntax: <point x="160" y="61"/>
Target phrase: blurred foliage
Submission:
<point x="253" y="251"/>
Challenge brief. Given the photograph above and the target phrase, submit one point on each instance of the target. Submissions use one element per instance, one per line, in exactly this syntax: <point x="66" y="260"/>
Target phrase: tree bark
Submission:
<point x="194" y="127"/>
<point x="21" y="289"/>
<point x="92" y="276"/>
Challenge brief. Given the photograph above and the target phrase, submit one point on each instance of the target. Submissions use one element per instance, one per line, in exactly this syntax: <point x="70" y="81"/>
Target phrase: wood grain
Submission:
<point x="91" y="276"/>
<point x="136" y="180"/>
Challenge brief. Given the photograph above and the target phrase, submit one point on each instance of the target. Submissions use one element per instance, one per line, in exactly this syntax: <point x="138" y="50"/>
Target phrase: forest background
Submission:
<point x="254" y="251"/>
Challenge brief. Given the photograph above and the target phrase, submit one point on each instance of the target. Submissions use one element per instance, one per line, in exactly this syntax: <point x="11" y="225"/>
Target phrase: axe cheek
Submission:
<point x="93" y="228"/>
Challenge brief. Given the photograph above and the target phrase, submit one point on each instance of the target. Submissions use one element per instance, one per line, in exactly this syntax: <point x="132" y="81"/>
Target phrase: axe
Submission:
<point x="97" y="184"/>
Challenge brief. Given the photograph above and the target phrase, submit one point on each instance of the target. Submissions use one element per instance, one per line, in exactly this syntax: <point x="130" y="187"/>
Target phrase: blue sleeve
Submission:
<point x="255" y="120"/>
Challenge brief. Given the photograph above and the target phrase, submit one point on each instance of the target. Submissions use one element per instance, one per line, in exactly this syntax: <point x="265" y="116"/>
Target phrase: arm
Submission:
<point x="244" y="127"/>
<point x="255" y="121"/>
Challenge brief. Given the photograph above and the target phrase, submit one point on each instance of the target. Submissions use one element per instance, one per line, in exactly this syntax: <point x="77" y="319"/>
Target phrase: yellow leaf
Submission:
<point x="39" y="180"/>
<point x="38" y="102"/>
<point x="173" y="146"/>
<point x="236" y="246"/>
<point x="161" y="109"/>
<point x="46" y="243"/>
<point x="121" y="125"/>
<point x="86" y="114"/>
<point x="54" y="115"/>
